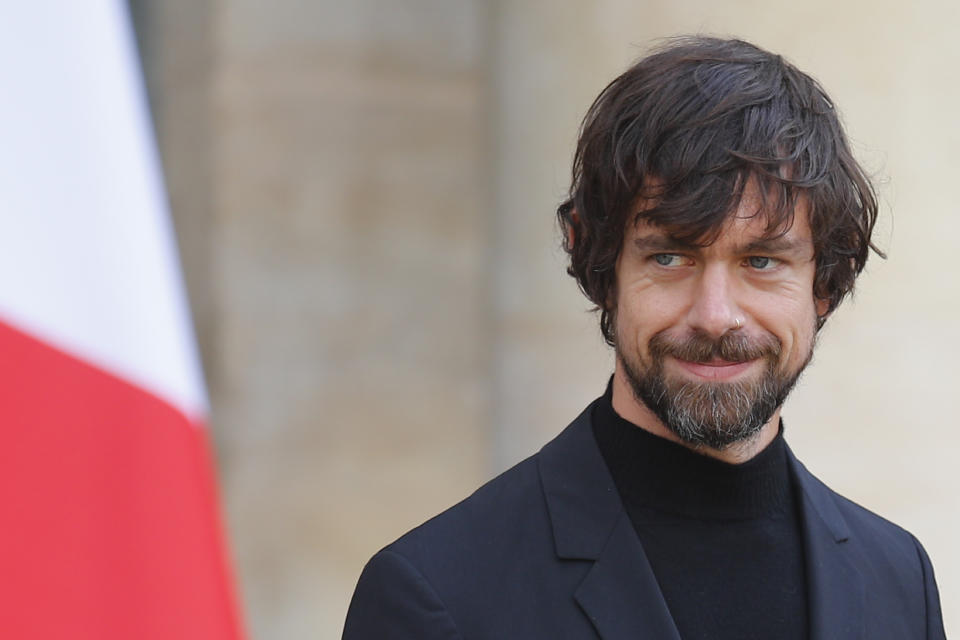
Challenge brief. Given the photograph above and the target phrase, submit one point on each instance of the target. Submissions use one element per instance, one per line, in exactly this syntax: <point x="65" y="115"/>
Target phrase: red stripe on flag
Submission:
<point x="109" y="523"/>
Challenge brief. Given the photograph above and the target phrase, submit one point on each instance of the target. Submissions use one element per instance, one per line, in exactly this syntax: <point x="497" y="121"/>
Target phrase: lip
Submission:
<point x="715" y="369"/>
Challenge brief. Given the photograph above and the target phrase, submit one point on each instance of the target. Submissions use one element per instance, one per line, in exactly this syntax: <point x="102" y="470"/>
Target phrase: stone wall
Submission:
<point x="364" y="196"/>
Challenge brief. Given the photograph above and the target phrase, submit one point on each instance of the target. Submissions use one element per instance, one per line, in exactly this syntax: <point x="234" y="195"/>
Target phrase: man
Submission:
<point x="716" y="218"/>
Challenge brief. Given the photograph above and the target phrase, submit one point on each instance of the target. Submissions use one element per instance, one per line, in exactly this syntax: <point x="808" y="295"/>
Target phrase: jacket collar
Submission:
<point x="836" y="593"/>
<point x="620" y="594"/>
<point x="581" y="497"/>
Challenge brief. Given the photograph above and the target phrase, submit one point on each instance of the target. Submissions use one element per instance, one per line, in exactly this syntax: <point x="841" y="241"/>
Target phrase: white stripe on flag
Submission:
<point x="80" y="186"/>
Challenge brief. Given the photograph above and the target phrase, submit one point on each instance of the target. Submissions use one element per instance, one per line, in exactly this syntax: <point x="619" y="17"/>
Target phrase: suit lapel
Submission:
<point x="835" y="587"/>
<point x="619" y="594"/>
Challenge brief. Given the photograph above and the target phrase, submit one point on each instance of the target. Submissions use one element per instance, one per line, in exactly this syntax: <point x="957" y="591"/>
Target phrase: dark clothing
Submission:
<point x="724" y="541"/>
<point x="546" y="550"/>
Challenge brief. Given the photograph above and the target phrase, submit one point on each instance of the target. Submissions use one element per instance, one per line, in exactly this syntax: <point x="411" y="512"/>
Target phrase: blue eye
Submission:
<point x="761" y="262"/>
<point x="666" y="259"/>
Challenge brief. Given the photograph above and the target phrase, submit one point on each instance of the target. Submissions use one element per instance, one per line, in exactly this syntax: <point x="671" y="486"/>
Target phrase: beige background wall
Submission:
<point x="364" y="195"/>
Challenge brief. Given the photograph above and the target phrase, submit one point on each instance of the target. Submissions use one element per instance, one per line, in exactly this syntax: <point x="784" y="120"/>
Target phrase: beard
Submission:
<point x="712" y="414"/>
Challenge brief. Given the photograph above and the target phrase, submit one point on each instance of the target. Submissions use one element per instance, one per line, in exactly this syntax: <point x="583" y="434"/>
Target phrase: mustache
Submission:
<point x="732" y="346"/>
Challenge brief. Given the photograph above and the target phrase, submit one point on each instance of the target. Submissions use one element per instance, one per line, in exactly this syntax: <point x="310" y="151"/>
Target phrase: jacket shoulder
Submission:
<point x="864" y="525"/>
<point x="888" y="553"/>
<point x="498" y="515"/>
<point x="900" y="590"/>
<point x="480" y="555"/>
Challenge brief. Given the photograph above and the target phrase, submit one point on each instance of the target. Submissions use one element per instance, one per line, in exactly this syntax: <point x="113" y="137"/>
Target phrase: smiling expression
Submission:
<point x="710" y="339"/>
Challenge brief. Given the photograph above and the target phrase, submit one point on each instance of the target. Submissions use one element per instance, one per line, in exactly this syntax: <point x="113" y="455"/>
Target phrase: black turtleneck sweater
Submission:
<point x="724" y="540"/>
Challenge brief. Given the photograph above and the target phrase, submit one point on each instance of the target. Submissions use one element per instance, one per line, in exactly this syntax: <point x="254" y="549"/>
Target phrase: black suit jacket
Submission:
<point x="546" y="550"/>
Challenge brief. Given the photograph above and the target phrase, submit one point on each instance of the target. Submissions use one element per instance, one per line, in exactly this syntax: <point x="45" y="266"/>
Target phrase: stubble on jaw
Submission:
<point x="717" y="415"/>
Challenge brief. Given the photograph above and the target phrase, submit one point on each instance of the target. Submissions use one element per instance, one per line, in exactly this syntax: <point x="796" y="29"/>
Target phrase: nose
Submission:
<point x="714" y="308"/>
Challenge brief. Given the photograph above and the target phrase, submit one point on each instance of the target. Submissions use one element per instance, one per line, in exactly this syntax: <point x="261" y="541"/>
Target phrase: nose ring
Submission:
<point x="739" y="325"/>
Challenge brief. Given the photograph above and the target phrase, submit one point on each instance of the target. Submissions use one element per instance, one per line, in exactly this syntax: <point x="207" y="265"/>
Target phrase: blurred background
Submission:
<point x="364" y="192"/>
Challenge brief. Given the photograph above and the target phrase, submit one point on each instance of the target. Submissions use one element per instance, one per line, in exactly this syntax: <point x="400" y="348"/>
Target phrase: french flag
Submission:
<point x="109" y="525"/>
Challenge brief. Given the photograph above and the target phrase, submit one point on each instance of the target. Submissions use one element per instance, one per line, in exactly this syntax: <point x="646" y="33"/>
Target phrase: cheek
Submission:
<point x="796" y="330"/>
<point x="639" y="319"/>
<point x="789" y="313"/>
<point x="646" y="309"/>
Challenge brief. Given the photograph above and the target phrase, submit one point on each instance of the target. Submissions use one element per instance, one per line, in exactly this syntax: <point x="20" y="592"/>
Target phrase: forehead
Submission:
<point x="737" y="237"/>
<point x="746" y="223"/>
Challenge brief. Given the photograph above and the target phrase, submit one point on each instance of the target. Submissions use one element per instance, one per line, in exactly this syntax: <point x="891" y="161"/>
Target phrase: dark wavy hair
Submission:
<point x="687" y="127"/>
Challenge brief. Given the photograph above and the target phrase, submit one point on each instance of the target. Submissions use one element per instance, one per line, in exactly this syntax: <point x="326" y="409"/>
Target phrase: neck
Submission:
<point x="629" y="407"/>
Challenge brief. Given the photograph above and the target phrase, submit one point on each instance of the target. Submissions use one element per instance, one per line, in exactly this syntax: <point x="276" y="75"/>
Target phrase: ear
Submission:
<point x="573" y="221"/>
<point x="822" y="306"/>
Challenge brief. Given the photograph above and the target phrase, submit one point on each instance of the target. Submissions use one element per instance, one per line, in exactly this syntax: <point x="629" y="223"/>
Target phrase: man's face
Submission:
<point x="711" y="339"/>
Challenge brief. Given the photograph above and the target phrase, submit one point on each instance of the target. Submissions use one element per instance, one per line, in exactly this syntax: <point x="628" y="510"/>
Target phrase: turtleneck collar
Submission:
<point x="654" y="473"/>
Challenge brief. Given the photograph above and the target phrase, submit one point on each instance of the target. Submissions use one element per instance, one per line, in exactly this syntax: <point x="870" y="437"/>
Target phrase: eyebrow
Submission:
<point x="662" y="243"/>
<point x="775" y="245"/>
<point x="778" y="245"/>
